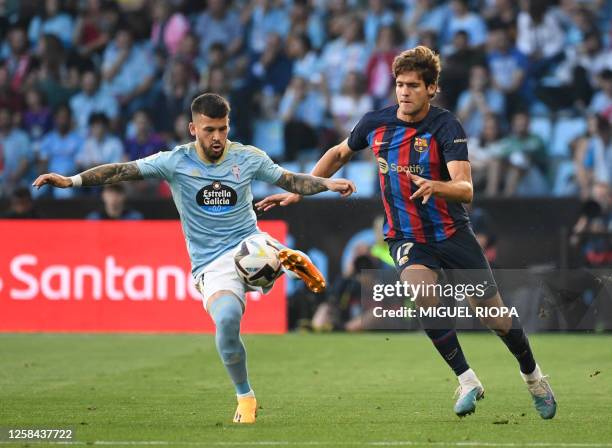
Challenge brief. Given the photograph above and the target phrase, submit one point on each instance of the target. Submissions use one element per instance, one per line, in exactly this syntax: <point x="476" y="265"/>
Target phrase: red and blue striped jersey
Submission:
<point x="422" y="148"/>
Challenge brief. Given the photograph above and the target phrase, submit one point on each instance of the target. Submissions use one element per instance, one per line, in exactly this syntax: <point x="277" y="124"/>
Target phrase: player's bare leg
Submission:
<point x="226" y="311"/>
<point x="518" y="344"/>
<point x="303" y="267"/>
<point x="443" y="336"/>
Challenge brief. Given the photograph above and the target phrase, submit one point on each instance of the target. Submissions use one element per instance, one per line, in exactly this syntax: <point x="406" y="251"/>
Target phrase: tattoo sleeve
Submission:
<point x="111" y="173"/>
<point x="304" y="184"/>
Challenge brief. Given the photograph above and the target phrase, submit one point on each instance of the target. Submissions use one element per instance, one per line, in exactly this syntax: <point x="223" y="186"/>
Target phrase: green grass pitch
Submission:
<point x="377" y="389"/>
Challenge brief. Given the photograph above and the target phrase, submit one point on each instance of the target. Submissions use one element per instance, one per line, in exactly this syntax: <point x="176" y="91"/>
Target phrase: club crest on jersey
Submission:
<point x="217" y="198"/>
<point x="421" y="143"/>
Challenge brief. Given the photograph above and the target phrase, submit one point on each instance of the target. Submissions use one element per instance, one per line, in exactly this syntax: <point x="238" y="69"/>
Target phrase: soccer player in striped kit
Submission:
<point x="425" y="178"/>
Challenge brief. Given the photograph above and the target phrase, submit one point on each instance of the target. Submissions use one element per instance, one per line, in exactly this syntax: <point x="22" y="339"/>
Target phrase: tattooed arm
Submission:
<point x="111" y="173"/>
<point x="306" y="184"/>
<point x="104" y="174"/>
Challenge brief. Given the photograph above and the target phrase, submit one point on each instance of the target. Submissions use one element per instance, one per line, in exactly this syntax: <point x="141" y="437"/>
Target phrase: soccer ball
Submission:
<point x="257" y="262"/>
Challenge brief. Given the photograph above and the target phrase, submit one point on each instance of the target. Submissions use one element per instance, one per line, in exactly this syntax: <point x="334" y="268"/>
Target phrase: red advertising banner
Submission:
<point x="127" y="276"/>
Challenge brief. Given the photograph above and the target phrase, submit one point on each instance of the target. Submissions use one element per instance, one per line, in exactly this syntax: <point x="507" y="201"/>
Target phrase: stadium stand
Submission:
<point x="297" y="72"/>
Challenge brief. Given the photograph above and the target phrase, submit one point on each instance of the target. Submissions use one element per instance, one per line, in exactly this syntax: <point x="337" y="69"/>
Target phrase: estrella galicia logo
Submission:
<point x="217" y="198"/>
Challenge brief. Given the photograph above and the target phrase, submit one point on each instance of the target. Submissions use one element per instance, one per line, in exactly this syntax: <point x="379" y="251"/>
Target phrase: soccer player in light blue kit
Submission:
<point x="210" y="180"/>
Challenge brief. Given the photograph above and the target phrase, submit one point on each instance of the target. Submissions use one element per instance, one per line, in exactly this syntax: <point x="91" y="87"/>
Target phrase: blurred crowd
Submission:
<point x="85" y="82"/>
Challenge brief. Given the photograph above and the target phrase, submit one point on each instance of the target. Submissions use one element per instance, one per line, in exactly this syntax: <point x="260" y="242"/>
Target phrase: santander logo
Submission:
<point x="110" y="280"/>
<point x="89" y="276"/>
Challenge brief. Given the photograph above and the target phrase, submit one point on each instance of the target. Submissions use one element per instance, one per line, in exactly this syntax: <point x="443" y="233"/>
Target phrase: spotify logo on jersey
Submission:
<point x="217" y="198"/>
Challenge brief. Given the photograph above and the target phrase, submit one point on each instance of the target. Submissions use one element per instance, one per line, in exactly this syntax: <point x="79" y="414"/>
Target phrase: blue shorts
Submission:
<point x="458" y="259"/>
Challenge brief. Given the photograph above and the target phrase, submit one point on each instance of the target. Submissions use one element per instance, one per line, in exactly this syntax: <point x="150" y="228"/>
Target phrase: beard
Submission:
<point x="211" y="153"/>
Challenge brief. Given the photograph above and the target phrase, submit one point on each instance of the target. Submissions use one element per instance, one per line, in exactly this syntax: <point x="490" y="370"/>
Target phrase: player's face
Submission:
<point x="211" y="134"/>
<point x="412" y="94"/>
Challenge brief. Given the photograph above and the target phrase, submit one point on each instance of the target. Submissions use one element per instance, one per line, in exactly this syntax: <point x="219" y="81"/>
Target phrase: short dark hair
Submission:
<point x="99" y="117"/>
<point x="211" y="105"/>
<point x="606" y="74"/>
<point x="117" y="188"/>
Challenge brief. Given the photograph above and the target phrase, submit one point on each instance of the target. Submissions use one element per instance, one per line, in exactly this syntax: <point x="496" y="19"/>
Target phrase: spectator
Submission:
<point x="21" y="205"/>
<point x="179" y="90"/>
<point x="508" y="67"/>
<point x="16" y="155"/>
<point x="113" y="200"/>
<point x="169" y="27"/>
<point x="181" y="135"/>
<point x="539" y="36"/>
<point x="52" y="21"/>
<point x="501" y="14"/>
<point x="458" y="62"/>
<point x="477" y="101"/>
<point x="217" y="81"/>
<point x="59" y="150"/>
<point x="19" y="59"/>
<point x="219" y="24"/>
<point x="128" y="72"/>
<point x="145" y="141"/>
<point x="379" y="73"/>
<point x="37" y="119"/>
<point x="272" y="70"/>
<point x="266" y="17"/>
<point x="462" y="19"/>
<point x="521" y="158"/>
<point x="601" y="103"/>
<point x="345" y="54"/>
<point x="189" y="51"/>
<point x="578" y="22"/>
<point x="597" y="161"/>
<point x="305" y="60"/>
<point x="575" y="78"/>
<point x="92" y="99"/>
<point x="483" y="148"/>
<point x="349" y="106"/>
<point x="302" y="110"/>
<point x="220" y="82"/>
<point x="92" y="28"/>
<point x="100" y="147"/>
<point x="424" y="15"/>
<point x="307" y="22"/>
<point x="57" y="81"/>
<point x="590" y="239"/>
<point x="9" y="97"/>
<point x="378" y="15"/>
<point x="343" y="308"/>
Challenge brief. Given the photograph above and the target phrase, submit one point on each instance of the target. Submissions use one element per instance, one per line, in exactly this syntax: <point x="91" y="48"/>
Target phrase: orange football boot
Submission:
<point x="301" y="265"/>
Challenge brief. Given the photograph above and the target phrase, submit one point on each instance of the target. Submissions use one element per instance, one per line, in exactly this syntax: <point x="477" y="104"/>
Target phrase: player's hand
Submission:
<point x="343" y="186"/>
<point x="282" y="199"/>
<point x="54" y="179"/>
<point x="426" y="187"/>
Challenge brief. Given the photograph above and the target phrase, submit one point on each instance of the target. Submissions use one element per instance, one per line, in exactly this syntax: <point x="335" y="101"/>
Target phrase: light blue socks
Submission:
<point x="226" y="312"/>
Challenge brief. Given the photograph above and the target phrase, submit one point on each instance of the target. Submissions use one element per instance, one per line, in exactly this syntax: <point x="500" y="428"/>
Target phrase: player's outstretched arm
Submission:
<point x="333" y="159"/>
<point x="100" y="175"/>
<point x="307" y="185"/>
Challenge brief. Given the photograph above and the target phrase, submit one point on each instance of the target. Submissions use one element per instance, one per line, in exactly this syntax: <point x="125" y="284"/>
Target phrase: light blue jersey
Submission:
<point x="214" y="200"/>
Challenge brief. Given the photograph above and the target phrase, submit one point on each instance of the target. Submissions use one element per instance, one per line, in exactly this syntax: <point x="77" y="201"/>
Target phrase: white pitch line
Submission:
<point x="315" y="443"/>
<point x="463" y="444"/>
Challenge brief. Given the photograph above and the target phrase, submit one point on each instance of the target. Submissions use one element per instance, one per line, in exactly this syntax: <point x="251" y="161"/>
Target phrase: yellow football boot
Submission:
<point x="246" y="410"/>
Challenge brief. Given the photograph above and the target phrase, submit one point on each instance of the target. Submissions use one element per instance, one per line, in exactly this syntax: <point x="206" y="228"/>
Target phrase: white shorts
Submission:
<point x="221" y="275"/>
